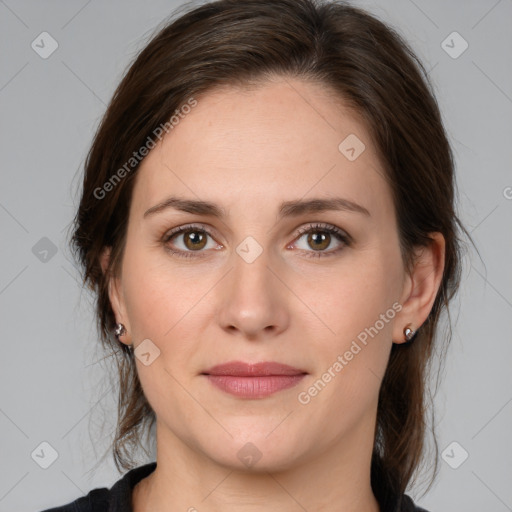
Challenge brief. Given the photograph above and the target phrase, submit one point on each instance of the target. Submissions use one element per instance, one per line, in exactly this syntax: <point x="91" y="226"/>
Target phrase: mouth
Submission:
<point x="258" y="380"/>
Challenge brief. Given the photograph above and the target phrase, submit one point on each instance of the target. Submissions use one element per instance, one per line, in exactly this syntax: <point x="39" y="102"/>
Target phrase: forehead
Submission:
<point x="278" y="141"/>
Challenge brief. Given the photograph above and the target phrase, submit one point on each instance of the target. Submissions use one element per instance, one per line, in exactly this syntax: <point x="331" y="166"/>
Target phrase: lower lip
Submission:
<point x="254" y="387"/>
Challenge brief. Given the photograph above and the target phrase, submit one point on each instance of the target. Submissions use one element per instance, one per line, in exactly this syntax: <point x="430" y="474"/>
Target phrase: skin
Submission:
<point x="248" y="150"/>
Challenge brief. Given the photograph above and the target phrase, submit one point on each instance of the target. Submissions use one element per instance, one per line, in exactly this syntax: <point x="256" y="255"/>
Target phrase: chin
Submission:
<point x="257" y="452"/>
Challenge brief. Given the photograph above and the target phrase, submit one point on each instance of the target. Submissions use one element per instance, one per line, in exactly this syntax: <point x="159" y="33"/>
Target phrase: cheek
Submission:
<point x="358" y="305"/>
<point x="158" y="294"/>
<point x="164" y="304"/>
<point x="352" y="356"/>
<point x="354" y="298"/>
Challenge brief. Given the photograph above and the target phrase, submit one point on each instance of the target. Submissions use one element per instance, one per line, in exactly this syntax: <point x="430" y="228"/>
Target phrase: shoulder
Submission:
<point x="118" y="497"/>
<point x="386" y="491"/>
<point x="97" y="500"/>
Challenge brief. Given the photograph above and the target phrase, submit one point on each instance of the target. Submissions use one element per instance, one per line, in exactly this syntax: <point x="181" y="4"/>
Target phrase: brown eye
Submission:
<point x="188" y="241"/>
<point x="194" y="239"/>
<point x="319" y="240"/>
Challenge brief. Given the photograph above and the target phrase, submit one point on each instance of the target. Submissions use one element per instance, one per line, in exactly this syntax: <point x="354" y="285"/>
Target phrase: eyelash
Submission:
<point x="324" y="228"/>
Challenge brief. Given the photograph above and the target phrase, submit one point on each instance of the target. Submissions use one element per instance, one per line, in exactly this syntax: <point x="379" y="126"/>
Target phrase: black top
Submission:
<point x="118" y="497"/>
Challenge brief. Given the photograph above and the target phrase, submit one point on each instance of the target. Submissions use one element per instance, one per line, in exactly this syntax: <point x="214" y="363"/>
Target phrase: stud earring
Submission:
<point x="119" y="330"/>
<point x="409" y="333"/>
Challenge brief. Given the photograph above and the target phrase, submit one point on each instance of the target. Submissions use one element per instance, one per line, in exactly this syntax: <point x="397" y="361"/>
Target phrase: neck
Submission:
<point x="185" y="479"/>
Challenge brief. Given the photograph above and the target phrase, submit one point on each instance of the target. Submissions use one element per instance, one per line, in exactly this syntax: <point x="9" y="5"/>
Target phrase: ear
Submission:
<point x="115" y="293"/>
<point x="421" y="287"/>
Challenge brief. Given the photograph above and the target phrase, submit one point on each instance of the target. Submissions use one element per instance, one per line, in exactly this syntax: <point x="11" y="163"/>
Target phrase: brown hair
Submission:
<point x="370" y="67"/>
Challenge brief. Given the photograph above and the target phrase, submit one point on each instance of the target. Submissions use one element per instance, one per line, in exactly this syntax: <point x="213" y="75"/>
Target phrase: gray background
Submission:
<point x="52" y="387"/>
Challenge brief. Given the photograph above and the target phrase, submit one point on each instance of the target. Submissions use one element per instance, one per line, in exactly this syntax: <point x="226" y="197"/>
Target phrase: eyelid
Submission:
<point x="324" y="226"/>
<point x="188" y="227"/>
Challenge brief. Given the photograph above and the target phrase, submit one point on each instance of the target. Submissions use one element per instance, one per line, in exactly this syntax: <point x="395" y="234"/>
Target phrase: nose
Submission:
<point x="253" y="300"/>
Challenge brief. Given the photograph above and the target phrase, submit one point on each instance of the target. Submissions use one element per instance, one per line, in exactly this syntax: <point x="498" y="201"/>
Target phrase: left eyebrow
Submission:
<point x="286" y="209"/>
<point x="295" y="208"/>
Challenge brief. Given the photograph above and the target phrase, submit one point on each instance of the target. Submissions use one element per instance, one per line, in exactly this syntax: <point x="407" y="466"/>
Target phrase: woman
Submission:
<point x="268" y="221"/>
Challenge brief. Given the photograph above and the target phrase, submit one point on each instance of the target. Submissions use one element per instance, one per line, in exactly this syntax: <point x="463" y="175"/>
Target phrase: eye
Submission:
<point x="320" y="238"/>
<point x="194" y="240"/>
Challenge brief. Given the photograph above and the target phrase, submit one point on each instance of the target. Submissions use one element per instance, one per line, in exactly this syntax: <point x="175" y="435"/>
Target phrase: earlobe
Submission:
<point x="422" y="288"/>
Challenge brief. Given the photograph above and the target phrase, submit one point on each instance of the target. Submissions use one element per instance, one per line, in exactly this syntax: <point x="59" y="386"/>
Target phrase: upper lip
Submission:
<point x="241" y="369"/>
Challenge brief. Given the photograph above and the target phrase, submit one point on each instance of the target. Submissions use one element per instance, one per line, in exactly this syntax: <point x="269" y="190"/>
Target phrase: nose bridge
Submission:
<point x="251" y="274"/>
<point x="252" y="300"/>
<point x="251" y="263"/>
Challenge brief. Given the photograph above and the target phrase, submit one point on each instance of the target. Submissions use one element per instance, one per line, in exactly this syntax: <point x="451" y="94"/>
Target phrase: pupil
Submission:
<point x="195" y="238"/>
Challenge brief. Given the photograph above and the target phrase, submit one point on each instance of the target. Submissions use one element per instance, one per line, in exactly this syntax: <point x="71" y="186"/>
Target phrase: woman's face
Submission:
<point x="263" y="283"/>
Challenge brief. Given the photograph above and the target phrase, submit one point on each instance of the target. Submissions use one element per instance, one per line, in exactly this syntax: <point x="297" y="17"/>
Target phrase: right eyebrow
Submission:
<point x="187" y="205"/>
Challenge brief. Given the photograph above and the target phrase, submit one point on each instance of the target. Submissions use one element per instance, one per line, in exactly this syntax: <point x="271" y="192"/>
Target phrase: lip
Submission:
<point x="257" y="380"/>
<point x="241" y="369"/>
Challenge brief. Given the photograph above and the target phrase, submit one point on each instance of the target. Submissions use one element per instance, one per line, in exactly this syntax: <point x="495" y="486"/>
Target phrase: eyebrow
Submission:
<point x="287" y="208"/>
